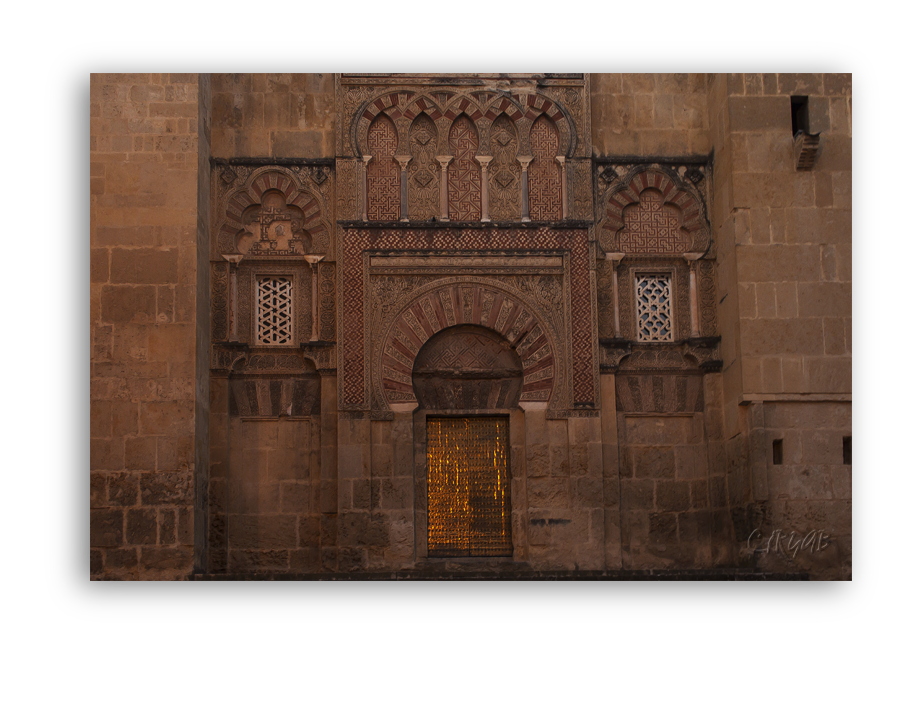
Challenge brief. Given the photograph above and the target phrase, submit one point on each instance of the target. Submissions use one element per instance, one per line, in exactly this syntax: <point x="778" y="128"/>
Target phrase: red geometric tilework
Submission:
<point x="544" y="189"/>
<point x="384" y="175"/>
<point x="463" y="172"/>
<point x="651" y="227"/>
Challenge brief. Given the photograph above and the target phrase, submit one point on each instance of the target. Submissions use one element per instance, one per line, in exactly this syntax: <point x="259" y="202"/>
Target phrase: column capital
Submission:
<point x="367" y="159"/>
<point x="561" y="160"/>
<point x="525" y="161"/>
<point x="313" y="259"/>
<point x="444" y="161"/>
<point x="615" y="257"/>
<point x="403" y="161"/>
<point x="484" y="161"/>
<point x="234" y="259"/>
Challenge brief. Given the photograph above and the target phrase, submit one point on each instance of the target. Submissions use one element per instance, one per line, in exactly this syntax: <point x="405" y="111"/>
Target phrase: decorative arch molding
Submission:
<point x="444" y="105"/>
<point x="467" y="367"/>
<point x="269" y="198"/>
<point x="454" y="302"/>
<point x="662" y="195"/>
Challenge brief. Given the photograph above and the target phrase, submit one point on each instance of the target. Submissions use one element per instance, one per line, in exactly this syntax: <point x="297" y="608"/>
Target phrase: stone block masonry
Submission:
<point x="147" y="421"/>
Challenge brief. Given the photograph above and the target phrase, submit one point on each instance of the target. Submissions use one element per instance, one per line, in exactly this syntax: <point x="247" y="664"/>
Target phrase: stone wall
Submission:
<point x="273" y="114"/>
<point x="649" y="114"/>
<point x="181" y="480"/>
<point x="147" y="424"/>
<point x="785" y="245"/>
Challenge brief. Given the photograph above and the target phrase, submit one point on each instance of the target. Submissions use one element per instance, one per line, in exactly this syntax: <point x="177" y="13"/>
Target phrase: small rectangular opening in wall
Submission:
<point x="777" y="451"/>
<point x="800" y="114"/>
<point x="847" y="450"/>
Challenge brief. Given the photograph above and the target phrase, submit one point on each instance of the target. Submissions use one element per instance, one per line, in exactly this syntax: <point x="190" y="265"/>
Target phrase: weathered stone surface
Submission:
<point x="106" y="528"/>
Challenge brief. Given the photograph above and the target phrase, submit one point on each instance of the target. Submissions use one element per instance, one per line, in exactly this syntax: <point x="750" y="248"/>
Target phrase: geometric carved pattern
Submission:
<point x="467" y="367"/>
<point x="273" y="397"/>
<point x="653" y="308"/>
<point x="650" y="199"/>
<point x="423" y="171"/>
<point x="275" y="311"/>
<point x="504" y="172"/>
<point x="544" y="189"/>
<point x="327" y="318"/>
<point x="273" y="216"/>
<point x="651" y="393"/>
<point x="383" y="173"/>
<point x="354" y="364"/>
<point x="651" y="227"/>
<point x="463" y="304"/>
<point x="468" y="481"/>
<point x="463" y="172"/>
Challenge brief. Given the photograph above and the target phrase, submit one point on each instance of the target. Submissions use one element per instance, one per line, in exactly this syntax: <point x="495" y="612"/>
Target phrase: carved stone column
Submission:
<point x="313" y="260"/>
<point x="691" y="258"/>
<point x="443" y="187"/>
<point x="525" y="161"/>
<point x="484" y="162"/>
<point x="364" y="181"/>
<point x="234" y="260"/>
<point x="403" y="161"/>
<point x="615" y="257"/>
<point x="562" y="161"/>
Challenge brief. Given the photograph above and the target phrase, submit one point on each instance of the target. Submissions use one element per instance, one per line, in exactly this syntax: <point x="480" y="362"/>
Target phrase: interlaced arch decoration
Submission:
<point x="445" y="104"/>
<point x="383" y="174"/>
<point x="273" y="213"/>
<point x="650" y="213"/>
<point x="458" y="303"/>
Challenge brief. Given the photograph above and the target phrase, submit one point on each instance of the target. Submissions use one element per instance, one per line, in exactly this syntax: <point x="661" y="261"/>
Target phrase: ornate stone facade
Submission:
<point x="477" y="247"/>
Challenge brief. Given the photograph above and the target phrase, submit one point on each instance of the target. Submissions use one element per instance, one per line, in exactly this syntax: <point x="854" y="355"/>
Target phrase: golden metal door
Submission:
<point x="468" y="480"/>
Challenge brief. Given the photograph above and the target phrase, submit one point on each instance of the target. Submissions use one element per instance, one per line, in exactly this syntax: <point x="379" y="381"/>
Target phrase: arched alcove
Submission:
<point x="467" y="367"/>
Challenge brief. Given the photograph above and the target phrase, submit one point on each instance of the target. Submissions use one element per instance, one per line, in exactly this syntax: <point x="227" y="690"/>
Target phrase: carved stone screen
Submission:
<point x="275" y="311"/>
<point x="469" y="506"/>
<point x="653" y="308"/>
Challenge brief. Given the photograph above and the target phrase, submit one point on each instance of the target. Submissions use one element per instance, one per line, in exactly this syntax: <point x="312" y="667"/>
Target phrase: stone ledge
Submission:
<point x="619" y="575"/>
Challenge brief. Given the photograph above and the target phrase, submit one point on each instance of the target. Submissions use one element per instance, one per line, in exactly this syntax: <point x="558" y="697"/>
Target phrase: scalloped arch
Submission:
<point x="456" y="303"/>
<point x="629" y="193"/>
<point x="409" y="104"/>
<point x="250" y="193"/>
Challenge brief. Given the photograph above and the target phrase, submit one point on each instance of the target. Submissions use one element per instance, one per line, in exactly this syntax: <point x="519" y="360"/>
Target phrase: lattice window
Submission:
<point x="275" y="310"/>
<point x="469" y="507"/>
<point x="653" y="308"/>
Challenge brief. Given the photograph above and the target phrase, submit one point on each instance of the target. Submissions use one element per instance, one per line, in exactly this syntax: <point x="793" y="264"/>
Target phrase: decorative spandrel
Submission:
<point x="504" y="172"/>
<point x="468" y="481"/>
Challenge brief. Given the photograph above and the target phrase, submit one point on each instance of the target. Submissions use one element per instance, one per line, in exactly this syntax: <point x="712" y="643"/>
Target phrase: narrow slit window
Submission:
<point x="275" y="310"/>
<point x="777" y="451"/>
<point x="653" y="308"/>
<point x="847" y="450"/>
<point x="800" y="114"/>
